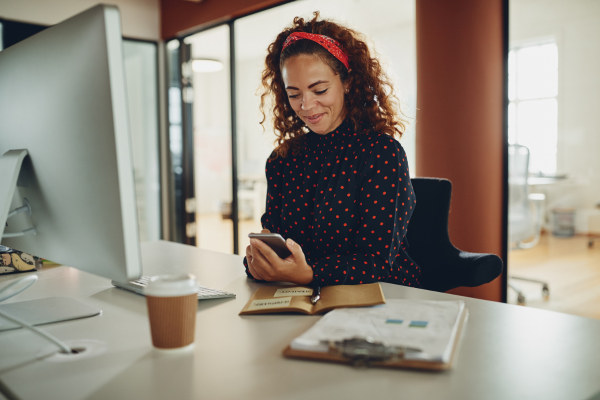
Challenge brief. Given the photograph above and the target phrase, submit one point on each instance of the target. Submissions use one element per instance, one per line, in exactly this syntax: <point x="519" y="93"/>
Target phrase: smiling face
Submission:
<point x="315" y="92"/>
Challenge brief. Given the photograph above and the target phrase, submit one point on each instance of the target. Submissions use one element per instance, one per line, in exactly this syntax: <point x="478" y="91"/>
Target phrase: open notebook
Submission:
<point x="275" y="299"/>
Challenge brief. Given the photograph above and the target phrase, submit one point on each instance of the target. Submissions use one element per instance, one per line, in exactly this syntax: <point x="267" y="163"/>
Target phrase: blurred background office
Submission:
<point x="554" y="94"/>
<point x="192" y="82"/>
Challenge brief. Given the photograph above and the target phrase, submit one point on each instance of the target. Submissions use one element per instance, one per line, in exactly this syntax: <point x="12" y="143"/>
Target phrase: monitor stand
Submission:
<point x="34" y="312"/>
<point x="46" y="311"/>
<point x="10" y="170"/>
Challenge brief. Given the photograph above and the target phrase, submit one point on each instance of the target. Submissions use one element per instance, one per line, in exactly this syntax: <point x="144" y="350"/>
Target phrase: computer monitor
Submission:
<point x="63" y="100"/>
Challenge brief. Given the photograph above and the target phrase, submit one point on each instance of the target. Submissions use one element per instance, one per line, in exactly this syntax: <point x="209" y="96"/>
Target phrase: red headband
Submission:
<point x="331" y="45"/>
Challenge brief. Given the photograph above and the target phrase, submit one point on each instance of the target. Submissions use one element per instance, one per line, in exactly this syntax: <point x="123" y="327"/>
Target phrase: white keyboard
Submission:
<point x="204" y="293"/>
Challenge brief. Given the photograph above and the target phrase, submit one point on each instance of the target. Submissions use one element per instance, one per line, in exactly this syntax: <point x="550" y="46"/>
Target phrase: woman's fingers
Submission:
<point x="252" y="268"/>
<point x="266" y="251"/>
<point x="267" y="265"/>
<point x="262" y="264"/>
<point x="259" y="259"/>
<point x="254" y="272"/>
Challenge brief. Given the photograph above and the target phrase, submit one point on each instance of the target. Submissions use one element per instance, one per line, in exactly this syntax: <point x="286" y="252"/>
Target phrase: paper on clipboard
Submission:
<point x="430" y="326"/>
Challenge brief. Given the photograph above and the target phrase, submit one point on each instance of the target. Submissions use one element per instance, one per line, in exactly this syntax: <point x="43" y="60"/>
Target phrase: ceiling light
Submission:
<point x="206" y="65"/>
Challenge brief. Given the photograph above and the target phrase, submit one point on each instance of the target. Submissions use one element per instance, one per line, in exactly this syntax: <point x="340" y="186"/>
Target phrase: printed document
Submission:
<point x="428" y="327"/>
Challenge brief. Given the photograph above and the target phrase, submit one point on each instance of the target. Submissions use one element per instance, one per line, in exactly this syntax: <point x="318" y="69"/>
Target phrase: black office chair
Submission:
<point x="443" y="266"/>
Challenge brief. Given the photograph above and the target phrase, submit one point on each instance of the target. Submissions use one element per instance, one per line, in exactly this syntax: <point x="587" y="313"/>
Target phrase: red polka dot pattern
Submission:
<point x="346" y="199"/>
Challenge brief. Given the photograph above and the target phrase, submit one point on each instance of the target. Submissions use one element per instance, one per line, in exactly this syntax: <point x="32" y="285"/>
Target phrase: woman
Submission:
<point x="338" y="183"/>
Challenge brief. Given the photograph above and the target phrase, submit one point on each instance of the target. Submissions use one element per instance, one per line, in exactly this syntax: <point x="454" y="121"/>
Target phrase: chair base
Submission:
<point x="592" y="238"/>
<point x="521" y="300"/>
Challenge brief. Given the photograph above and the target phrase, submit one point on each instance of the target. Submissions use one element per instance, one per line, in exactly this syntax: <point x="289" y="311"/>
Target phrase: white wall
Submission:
<point x="140" y="18"/>
<point x="575" y="25"/>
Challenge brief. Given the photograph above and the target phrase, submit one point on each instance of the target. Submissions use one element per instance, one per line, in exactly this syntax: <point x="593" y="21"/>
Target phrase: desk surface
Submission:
<point x="507" y="351"/>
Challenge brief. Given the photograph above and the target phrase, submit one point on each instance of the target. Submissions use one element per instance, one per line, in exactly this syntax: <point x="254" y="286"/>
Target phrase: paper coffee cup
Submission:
<point x="172" y="303"/>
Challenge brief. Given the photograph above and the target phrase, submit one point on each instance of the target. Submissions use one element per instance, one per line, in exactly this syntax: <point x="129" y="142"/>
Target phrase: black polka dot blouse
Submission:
<point x="346" y="199"/>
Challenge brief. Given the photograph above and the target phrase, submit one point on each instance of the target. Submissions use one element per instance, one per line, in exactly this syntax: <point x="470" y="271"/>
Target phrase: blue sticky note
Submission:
<point x="418" y="324"/>
<point x="394" y="321"/>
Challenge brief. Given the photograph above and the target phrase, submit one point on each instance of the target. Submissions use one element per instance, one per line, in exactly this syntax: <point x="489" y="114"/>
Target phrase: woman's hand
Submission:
<point x="250" y="258"/>
<point x="265" y="264"/>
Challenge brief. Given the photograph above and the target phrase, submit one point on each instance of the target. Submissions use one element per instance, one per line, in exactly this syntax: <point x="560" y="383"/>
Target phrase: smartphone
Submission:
<point x="274" y="241"/>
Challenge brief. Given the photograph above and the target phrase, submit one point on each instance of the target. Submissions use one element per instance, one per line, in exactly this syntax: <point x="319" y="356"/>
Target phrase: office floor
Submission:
<point x="216" y="233"/>
<point x="571" y="269"/>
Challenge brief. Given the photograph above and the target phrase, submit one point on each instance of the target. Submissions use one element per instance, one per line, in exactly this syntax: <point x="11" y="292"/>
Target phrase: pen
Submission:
<point x="317" y="296"/>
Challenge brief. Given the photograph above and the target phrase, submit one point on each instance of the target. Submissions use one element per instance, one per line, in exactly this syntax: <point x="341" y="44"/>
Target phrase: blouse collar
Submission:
<point x="345" y="127"/>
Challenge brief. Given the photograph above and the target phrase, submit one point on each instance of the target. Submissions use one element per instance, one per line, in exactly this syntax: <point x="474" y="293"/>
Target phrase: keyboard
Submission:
<point x="204" y="293"/>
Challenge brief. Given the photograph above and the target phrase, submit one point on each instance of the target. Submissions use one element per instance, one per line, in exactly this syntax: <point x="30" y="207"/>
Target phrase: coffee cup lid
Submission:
<point x="171" y="285"/>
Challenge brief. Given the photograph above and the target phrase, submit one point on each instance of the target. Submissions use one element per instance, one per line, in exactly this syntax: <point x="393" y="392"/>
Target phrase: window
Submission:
<point x="533" y="108"/>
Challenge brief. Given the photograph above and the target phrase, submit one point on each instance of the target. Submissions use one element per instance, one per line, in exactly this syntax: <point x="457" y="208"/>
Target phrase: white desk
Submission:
<point x="507" y="352"/>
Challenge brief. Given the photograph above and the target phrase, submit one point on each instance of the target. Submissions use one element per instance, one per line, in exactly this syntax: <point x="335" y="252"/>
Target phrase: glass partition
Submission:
<point x="142" y="96"/>
<point x="209" y="71"/>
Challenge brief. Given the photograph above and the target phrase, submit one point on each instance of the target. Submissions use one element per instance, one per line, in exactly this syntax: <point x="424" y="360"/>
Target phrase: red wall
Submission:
<point x="178" y="16"/>
<point x="460" y="118"/>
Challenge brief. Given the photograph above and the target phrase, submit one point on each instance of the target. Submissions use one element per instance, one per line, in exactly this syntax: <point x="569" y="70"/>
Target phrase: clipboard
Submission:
<point x="361" y="353"/>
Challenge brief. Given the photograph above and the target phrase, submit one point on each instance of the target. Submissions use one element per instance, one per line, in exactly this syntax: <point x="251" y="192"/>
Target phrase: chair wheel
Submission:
<point x="591" y="244"/>
<point x="521" y="300"/>
<point x="546" y="292"/>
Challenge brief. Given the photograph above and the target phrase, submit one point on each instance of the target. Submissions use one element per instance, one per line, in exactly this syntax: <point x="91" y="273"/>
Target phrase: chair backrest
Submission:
<point x="430" y="217"/>
<point x="427" y="233"/>
<point x="443" y="266"/>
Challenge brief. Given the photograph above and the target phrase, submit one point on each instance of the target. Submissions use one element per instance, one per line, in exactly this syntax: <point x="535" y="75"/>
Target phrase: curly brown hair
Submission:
<point x="370" y="102"/>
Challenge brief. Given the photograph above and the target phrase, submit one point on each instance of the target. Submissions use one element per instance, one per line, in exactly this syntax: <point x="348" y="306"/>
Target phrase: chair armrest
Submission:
<point x="461" y="268"/>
